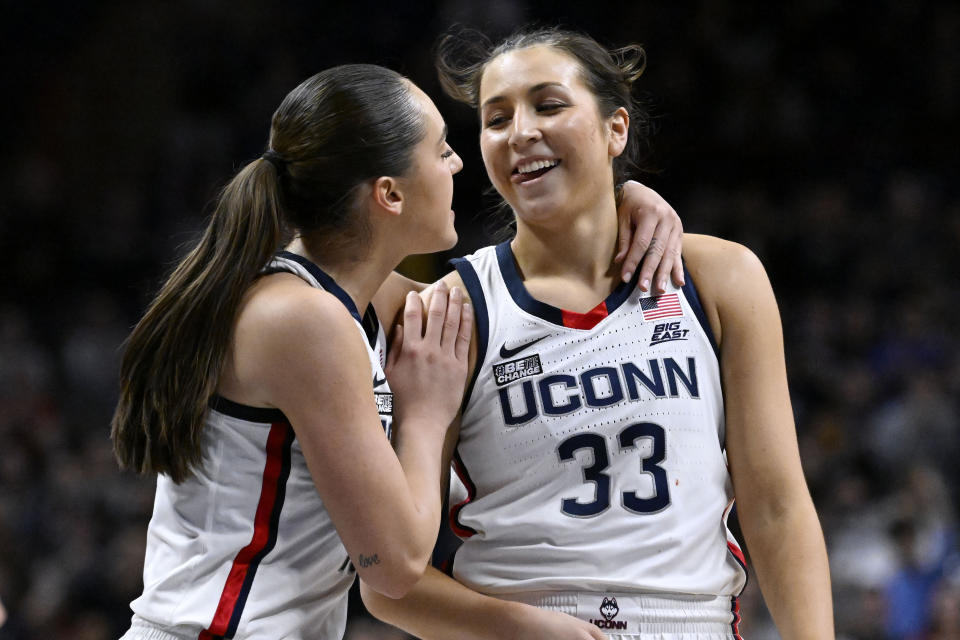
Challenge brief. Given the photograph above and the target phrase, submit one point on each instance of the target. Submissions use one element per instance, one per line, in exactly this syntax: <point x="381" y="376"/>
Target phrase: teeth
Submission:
<point x="536" y="165"/>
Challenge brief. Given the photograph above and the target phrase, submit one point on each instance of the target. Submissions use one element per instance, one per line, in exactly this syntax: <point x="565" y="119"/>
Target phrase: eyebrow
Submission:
<point x="533" y="89"/>
<point x="443" y="135"/>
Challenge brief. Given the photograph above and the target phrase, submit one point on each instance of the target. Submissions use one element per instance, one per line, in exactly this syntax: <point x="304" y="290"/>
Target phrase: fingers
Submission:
<point x="671" y="256"/>
<point x="466" y="331"/>
<point x="436" y="313"/>
<point x="643" y="241"/>
<point x="451" y="324"/>
<point x="413" y="316"/>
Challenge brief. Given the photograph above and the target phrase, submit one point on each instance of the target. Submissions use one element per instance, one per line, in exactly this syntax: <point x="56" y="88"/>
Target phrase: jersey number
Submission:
<point x="595" y="472"/>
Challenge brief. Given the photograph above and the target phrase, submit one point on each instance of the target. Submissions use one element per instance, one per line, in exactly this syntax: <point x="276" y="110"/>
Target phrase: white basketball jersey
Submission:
<point x="244" y="548"/>
<point x="592" y="445"/>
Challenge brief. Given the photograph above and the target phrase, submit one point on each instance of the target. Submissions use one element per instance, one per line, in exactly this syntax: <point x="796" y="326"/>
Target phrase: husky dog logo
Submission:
<point x="609" y="608"/>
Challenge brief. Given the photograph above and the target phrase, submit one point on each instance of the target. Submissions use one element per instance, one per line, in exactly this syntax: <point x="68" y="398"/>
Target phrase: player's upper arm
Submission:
<point x="389" y="298"/>
<point x="760" y="435"/>
<point x="316" y="370"/>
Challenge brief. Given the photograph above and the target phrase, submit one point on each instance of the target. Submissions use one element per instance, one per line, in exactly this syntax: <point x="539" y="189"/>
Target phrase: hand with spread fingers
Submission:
<point x="650" y="237"/>
<point x="427" y="364"/>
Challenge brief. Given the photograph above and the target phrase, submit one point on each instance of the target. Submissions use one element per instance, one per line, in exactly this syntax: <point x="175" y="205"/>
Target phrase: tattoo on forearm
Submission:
<point x="366" y="561"/>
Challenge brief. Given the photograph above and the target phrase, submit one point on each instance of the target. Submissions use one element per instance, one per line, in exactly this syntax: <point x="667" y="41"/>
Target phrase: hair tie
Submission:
<point x="276" y="160"/>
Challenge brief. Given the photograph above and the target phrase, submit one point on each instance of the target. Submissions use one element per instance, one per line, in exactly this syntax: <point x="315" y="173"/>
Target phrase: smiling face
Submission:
<point x="428" y="186"/>
<point x="544" y="144"/>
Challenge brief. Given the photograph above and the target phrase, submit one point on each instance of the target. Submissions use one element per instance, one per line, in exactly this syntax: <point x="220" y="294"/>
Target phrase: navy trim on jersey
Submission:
<point x="369" y="321"/>
<point x="550" y="313"/>
<point x="371" y="325"/>
<point x="263" y="415"/>
<point x="472" y="283"/>
<point x="690" y="293"/>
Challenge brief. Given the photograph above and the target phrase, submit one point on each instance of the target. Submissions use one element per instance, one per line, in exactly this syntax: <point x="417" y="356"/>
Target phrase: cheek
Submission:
<point x="488" y="158"/>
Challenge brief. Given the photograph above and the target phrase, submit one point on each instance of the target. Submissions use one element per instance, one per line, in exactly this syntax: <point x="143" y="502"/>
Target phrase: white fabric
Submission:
<point x="521" y="475"/>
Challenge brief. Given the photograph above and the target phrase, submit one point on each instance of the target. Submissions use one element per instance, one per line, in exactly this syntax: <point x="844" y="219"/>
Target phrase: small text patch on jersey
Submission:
<point x="384" y="403"/>
<point x="665" y="306"/>
<point x="668" y="331"/>
<point x="506" y="372"/>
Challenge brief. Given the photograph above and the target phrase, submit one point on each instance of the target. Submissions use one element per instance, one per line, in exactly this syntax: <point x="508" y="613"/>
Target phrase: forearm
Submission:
<point x="422" y="460"/>
<point x="790" y="558"/>
<point x="439" y="608"/>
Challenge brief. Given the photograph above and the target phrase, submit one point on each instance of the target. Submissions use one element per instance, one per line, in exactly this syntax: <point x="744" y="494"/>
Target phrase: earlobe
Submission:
<point x="618" y="127"/>
<point x="387" y="195"/>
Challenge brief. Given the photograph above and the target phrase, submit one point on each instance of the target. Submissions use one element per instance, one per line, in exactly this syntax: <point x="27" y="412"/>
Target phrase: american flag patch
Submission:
<point x="665" y="306"/>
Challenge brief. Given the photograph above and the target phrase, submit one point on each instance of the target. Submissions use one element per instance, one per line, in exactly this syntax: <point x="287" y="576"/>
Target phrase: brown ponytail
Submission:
<point x="172" y="359"/>
<point x="333" y="132"/>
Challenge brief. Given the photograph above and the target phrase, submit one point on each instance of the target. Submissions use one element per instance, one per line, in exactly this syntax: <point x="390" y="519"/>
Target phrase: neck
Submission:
<point x="360" y="277"/>
<point x="580" y="247"/>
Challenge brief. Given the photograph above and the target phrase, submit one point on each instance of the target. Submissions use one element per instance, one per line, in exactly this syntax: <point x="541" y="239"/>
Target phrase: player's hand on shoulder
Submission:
<point x="427" y="362"/>
<point x="650" y="237"/>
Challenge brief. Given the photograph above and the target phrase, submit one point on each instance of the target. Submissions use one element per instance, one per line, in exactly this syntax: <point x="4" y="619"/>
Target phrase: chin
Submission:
<point x="451" y="241"/>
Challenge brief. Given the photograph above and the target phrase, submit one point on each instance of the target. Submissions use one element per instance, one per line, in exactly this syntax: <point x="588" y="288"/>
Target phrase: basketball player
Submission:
<point x="256" y="384"/>
<point x="606" y="429"/>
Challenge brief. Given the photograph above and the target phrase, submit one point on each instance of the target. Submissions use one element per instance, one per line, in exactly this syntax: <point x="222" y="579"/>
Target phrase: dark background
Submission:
<point x="822" y="135"/>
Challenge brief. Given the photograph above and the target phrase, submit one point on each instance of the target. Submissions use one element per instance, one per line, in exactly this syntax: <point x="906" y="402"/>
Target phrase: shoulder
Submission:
<point x="389" y="299"/>
<point x="286" y="328"/>
<point x="704" y="254"/>
<point x="283" y="304"/>
<point x="730" y="279"/>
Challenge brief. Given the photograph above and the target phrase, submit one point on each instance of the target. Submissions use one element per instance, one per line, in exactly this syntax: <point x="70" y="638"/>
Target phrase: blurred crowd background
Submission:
<point x="821" y="134"/>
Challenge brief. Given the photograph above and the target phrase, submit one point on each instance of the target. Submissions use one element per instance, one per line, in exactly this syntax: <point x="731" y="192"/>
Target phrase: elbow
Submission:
<point x="394" y="580"/>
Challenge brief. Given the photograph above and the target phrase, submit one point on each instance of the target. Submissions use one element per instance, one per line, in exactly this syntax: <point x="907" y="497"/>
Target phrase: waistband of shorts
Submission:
<point x="641" y="613"/>
<point x="141" y="629"/>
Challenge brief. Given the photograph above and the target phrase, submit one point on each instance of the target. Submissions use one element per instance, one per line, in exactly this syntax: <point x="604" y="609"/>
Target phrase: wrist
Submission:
<point x="511" y="617"/>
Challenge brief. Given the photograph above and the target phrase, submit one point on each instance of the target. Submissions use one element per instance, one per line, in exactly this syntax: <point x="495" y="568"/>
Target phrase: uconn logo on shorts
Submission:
<point x="609" y="610"/>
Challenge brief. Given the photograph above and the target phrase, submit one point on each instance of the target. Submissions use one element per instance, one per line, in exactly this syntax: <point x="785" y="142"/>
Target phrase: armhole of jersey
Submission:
<point x="371" y="326"/>
<point x="690" y="293"/>
<point x="472" y="282"/>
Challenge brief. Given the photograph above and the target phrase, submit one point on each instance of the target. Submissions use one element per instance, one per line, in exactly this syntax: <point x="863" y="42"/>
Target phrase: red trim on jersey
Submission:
<point x="459" y="529"/>
<point x="737" y="553"/>
<point x="735" y="627"/>
<point x="587" y="320"/>
<point x="261" y="535"/>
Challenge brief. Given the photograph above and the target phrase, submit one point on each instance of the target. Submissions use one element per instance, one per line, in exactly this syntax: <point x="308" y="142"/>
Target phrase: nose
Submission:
<point x="524" y="130"/>
<point x="456" y="163"/>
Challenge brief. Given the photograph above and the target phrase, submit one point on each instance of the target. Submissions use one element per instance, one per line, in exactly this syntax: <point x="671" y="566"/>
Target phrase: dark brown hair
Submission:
<point x="462" y="55"/>
<point x="331" y="134"/>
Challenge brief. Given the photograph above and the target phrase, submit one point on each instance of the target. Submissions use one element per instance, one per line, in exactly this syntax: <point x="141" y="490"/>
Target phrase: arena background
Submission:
<point x="821" y="134"/>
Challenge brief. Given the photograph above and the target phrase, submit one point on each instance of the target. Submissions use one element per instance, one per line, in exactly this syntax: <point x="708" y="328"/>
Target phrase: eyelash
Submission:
<point x="546" y="106"/>
<point x="446" y="154"/>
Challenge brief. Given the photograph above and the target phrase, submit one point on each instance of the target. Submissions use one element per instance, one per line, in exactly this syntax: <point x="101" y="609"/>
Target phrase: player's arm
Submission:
<point x="389" y="299"/>
<point x="774" y="507"/>
<point x="440" y="608"/>
<point x="385" y="505"/>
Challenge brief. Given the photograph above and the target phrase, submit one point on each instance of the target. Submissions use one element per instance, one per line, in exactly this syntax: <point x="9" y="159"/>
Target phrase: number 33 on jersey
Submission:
<point x="591" y="445"/>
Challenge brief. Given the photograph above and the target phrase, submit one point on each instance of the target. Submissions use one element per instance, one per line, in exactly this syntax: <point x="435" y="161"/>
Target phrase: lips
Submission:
<point x="528" y="170"/>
